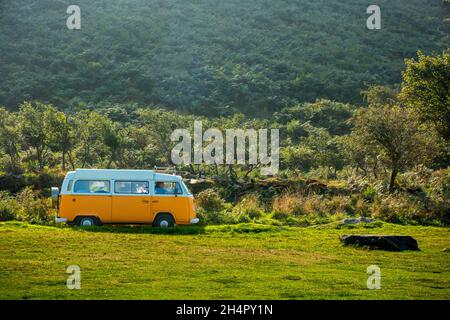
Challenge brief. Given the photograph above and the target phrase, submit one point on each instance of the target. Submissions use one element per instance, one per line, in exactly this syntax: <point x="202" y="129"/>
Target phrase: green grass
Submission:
<point x="217" y="262"/>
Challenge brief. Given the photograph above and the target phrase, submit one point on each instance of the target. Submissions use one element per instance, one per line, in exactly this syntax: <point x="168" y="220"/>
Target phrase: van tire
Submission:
<point x="164" y="220"/>
<point x="88" y="221"/>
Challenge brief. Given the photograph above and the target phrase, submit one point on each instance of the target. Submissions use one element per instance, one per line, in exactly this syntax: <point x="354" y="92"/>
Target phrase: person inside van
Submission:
<point x="165" y="188"/>
<point x="141" y="187"/>
<point x="159" y="188"/>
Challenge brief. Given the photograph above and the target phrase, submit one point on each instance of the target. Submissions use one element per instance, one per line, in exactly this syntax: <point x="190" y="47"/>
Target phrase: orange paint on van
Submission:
<point x="129" y="209"/>
<point x="179" y="207"/>
<point x="75" y="205"/>
<point x="126" y="209"/>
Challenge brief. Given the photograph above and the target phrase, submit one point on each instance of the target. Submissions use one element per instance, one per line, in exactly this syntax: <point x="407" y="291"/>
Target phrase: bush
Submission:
<point x="33" y="208"/>
<point x="12" y="183"/>
<point x="302" y="210"/>
<point x="248" y="208"/>
<point x="210" y="201"/>
<point x="369" y="193"/>
<point x="44" y="180"/>
<point x="215" y="217"/>
<point x="8" y="207"/>
<point x="288" y="204"/>
<point x="402" y="209"/>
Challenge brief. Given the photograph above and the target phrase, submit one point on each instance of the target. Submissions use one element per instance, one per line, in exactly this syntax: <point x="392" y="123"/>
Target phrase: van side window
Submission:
<point x="91" y="186"/>
<point x="162" y="187"/>
<point x="131" y="187"/>
<point x="70" y="185"/>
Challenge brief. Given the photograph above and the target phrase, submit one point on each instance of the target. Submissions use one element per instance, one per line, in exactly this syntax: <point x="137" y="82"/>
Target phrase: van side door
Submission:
<point x="131" y="202"/>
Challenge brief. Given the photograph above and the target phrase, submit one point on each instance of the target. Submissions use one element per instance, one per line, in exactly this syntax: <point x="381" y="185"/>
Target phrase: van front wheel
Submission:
<point x="164" y="220"/>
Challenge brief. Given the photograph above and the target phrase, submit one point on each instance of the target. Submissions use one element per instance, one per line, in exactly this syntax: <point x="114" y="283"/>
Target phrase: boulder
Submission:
<point x="381" y="242"/>
<point x="357" y="220"/>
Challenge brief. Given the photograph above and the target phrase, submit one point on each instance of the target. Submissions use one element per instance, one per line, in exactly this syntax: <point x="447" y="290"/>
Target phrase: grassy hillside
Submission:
<point x="221" y="262"/>
<point x="202" y="56"/>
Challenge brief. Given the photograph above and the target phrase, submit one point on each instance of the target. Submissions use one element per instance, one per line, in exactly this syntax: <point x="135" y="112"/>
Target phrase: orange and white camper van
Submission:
<point x="96" y="196"/>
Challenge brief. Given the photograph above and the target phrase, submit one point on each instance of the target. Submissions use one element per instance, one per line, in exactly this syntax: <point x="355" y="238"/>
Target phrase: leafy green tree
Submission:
<point x="114" y="140"/>
<point x="426" y="89"/>
<point x="159" y="125"/>
<point x="360" y="155"/>
<point x="90" y="148"/>
<point x="297" y="158"/>
<point x="396" y="135"/>
<point x="62" y="136"/>
<point x="380" y="95"/>
<point x="35" y="130"/>
<point x="9" y="138"/>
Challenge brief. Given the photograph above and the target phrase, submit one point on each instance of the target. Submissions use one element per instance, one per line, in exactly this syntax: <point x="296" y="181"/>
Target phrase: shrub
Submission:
<point x="369" y="193"/>
<point x="214" y="217"/>
<point x="338" y="205"/>
<point x="44" y="180"/>
<point x="288" y="204"/>
<point x="33" y="208"/>
<point x="210" y="201"/>
<point x="360" y="207"/>
<point x="400" y="209"/>
<point x="12" y="183"/>
<point x="8" y="207"/>
<point x="302" y="210"/>
<point x="248" y="209"/>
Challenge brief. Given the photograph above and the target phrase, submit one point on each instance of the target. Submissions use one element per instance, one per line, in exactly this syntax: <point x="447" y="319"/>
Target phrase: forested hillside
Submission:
<point x="209" y="57"/>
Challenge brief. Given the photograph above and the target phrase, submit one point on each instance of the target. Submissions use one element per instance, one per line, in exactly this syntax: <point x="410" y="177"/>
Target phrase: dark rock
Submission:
<point x="357" y="220"/>
<point x="377" y="242"/>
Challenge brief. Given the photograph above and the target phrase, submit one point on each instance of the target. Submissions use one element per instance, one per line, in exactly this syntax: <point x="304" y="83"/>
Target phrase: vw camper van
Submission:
<point x="97" y="196"/>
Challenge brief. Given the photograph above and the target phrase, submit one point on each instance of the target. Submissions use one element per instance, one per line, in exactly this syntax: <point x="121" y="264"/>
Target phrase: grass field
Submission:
<point x="218" y="262"/>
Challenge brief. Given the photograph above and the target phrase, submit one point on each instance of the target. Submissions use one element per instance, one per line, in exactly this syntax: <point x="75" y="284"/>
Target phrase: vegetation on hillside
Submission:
<point x="337" y="160"/>
<point x="209" y="57"/>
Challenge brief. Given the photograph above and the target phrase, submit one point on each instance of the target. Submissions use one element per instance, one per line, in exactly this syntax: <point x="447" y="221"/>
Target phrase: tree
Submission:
<point x="426" y="89"/>
<point x="297" y="158"/>
<point x="380" y="95"/>
<point x="159" y="125"/>
<point x="35" y="131"/>
<point x="327" y="149"/>
<point x="397" y="136"/>
<point x="114" y="141"/>
<point x="9" y="138"/>
<point x="62" y="136"/>
<point x="91" y="148"/>
<point x="359" y="155"/>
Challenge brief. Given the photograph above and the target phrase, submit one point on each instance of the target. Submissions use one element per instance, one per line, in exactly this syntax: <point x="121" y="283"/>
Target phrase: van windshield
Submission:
<point x="186" y="188"/>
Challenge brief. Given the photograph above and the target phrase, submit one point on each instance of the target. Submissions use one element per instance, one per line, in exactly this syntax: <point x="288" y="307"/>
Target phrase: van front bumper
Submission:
<point x="61" y="220"/>
<point x="195" y="220"/>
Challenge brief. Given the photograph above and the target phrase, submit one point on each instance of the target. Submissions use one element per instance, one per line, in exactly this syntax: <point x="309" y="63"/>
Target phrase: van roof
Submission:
<point x="120" y="174"/>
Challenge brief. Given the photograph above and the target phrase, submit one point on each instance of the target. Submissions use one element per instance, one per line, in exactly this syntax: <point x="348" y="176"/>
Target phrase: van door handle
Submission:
<point x="155" y="201"/>
<point x="144" y="200"/>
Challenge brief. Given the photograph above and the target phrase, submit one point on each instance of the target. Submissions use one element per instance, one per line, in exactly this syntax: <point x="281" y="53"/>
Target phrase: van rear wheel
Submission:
<point x="88" y="222"/>
<point x="164" y="220"/>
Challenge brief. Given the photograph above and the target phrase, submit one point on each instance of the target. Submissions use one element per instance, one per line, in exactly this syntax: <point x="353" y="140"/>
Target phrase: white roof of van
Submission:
<point x="120" y="174"/>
